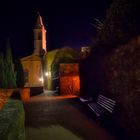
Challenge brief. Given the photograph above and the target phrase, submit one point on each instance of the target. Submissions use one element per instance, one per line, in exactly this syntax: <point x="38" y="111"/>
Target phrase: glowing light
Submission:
<point x="46" y="74"/>
<point x="41" y="79"/>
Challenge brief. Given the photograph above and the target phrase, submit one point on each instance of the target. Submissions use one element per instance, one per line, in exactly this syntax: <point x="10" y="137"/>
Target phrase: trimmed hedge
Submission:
<point x="12" y="121"/>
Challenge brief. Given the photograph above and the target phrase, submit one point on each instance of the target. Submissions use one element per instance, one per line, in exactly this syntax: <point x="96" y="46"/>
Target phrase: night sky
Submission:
<point x="67" y="23"/>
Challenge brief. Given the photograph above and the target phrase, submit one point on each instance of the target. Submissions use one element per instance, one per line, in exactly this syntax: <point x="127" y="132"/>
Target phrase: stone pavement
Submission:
<point x="60" y="118"/>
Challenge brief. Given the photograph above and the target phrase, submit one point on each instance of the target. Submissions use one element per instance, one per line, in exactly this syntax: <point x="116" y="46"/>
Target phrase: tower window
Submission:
<point x="40" y="36"/>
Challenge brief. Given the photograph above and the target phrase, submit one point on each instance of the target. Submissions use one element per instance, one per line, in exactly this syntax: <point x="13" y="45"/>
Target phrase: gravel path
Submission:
<point x="60" y="118"/>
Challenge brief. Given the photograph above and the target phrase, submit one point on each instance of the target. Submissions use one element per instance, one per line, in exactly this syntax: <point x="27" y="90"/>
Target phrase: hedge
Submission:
<point x="12" y="118"/>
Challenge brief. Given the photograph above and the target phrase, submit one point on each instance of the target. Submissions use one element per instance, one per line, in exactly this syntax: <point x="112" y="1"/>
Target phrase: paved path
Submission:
<point x="60" y="118"/>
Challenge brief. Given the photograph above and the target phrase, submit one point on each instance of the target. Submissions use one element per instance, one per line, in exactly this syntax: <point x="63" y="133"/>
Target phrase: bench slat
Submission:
<point x="106" y="101"/>
<point x="110" y="109"/>
<point x="97" y="109"/>
<point x="103" y="105"/>
<point x="106" y="104"/>
<point x="94" y="110"/>
<point x="101" y="96"/>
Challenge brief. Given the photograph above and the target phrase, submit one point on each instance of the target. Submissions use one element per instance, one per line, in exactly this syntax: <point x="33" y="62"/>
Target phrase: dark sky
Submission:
<point x="67" y="23"/>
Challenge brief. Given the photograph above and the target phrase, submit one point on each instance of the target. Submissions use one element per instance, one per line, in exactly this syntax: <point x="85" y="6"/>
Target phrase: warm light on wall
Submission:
<point x="41" y="80"/>
<point x="48" y="74"/>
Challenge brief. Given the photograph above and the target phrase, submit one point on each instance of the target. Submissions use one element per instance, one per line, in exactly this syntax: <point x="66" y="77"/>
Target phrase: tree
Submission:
<point x="97" y="24"/>
<point x="9" y="67"/>
<point x="3" y="79"/>
<point x="20" y="79"/>
<point x="64" y="55"/>
<point x="121" y="23"/>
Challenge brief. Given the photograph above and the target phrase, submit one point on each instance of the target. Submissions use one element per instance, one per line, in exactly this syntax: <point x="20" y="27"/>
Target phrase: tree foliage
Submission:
<point x="65" y="55"/>
<point x="3" y="79"/>
<point x="121" y="23"/>
<point x="8" y="53"/>
<point x="7" y="74"/>
<point x="20" y="79"/>
<point x="9" y="67"/>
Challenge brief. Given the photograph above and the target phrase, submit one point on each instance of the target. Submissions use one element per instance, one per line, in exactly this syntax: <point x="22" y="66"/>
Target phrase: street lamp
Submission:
<point x="46" y="74"/>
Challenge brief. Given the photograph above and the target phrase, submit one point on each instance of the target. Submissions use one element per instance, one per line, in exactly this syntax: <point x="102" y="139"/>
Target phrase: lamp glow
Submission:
<point x="41" y="79"/>
<point x="46" y="74"/>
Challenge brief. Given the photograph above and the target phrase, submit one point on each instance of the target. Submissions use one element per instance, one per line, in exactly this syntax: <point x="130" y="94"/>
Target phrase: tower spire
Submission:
<point x="39" y="37"/>
<point x="39" y="23"/>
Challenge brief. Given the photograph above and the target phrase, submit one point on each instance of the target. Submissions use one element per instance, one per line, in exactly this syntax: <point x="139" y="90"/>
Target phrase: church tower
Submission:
<point x="39" y="37"/>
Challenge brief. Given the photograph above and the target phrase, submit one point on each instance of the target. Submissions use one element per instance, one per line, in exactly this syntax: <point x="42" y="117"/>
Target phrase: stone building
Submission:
<point x="41" y="69"/>
<point x="32" y="64"/>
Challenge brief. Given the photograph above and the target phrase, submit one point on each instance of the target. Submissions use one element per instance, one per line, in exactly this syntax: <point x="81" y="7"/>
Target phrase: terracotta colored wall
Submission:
<point x="4" y="96"/>
<point x="69" y="79"/>
<point x="69" y="85"/>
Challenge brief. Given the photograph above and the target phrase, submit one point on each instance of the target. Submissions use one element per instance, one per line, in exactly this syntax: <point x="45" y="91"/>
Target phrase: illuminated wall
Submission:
<point x="32" y="65"/>
<point x="48" y="61"/>
<point x="69" y="79"/>
<point x="33" y="71"/>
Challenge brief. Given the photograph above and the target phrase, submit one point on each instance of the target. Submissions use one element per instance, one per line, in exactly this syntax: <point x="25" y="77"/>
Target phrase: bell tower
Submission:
<point x="39" y="37"/>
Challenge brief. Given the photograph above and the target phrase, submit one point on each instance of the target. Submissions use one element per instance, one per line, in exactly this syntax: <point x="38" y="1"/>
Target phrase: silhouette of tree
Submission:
<point x="20" y="80"/>
<point x="3" y="79"/>
<point x="9" y="67"/>
<point x="121" y="23"/>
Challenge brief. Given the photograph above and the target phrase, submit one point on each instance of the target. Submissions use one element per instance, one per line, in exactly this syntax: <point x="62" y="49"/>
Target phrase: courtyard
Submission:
<point x="60" y="118"/>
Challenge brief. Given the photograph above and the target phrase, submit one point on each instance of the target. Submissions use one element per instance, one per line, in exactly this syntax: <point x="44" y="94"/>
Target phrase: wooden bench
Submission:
<point x="103" y="107"/>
